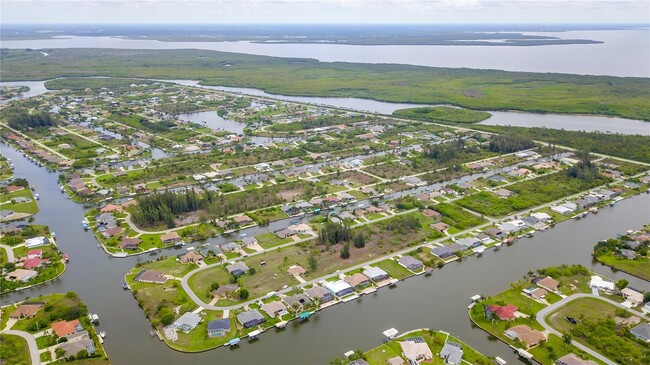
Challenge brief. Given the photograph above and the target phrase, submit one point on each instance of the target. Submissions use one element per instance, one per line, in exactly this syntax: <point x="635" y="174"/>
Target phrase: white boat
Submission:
<point x="254" y="334"/>
<point x="102" y="334"/>
<point x="36" y="196"/>
<point x="499" y="361"/>
<point x="94" y="318"/>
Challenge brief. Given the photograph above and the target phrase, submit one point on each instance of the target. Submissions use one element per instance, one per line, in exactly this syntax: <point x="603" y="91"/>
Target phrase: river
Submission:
<point x="622" y="53"/>
<point x="589" y="123"/>
<point x="439" y="301"/>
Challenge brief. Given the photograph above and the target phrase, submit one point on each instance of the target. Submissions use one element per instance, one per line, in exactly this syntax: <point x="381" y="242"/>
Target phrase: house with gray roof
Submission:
<point x="299" y="299"/>
<point x="628" y="254"/>
<point x="251" y="318"/>
<point x="469" y="242"/>
<point x="442" y="252"/>
<point x="187" y="322"/>
<point x="238" y="268"/>
<point x="218" y="327"/>
<point x="376" y="274"/>
<point x="641" y="331"/>
<point x="410" y="263"/>
<point x="452" y="353"/>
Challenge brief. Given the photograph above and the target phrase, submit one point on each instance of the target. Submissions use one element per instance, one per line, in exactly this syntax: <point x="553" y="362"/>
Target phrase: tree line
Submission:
<point x="20" y="119"/>
<point x="508" y="143"/>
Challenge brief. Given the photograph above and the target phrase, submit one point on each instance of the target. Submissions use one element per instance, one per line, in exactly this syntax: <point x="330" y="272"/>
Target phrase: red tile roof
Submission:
<point x="506" y="313"/>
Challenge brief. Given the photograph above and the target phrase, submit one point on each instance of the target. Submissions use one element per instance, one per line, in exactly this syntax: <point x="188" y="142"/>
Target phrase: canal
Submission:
<point x="439" y="301"/>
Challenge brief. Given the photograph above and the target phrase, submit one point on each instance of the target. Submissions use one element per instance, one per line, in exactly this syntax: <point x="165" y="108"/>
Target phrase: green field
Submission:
<point x="443" y="114"/>
<point x="639" y="267"/>
<point x="529" y="193"/>
<point x="473" y="89"/>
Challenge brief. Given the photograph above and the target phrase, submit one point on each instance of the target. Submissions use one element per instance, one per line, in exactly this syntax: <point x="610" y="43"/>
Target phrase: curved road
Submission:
<point x="10" y="253"/>
<point x="541" y="318"/>
<point x="31" y="343"/>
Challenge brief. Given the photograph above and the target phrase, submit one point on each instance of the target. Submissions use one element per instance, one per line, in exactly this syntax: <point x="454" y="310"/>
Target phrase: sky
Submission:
<point x="323" y="11"/>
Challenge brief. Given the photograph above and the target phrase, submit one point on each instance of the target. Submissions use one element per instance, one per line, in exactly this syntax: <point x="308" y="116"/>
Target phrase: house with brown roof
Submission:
<point x="274" y="308"/>
<point x="115" y="231"/>
<point x="170" y="237"/>
<point x="440" y="226"/>
<point x="572" y="359"/>
<point x="243" y="220"/>
<point x="150" y="276"/>
<point x="111" y="208"/>
<point x="526" y="335"/>
<point x="357" y="281"/>
<point x="191" y="256"/>
<point x="296" y="270"/>
<point x="14" y="188"/>
<point x="21" y="275"/>
<point x="26" y="310"/>
<point x="548" y="283"/>
<point x="129" y="243"/>
<point x="431" y="213"/>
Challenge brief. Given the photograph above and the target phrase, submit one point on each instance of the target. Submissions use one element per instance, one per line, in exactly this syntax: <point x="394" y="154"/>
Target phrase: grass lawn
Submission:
<point x="30" y="207"/>
<point x="394" y="269"/>
<point x="198" y="340"/>
<point x="268" y="240"/>
<point x="638" y="267"/>
<point x="201" y="281"/>
<point x="541" y="352"/>
<point x="270" y="215"/>
<point x="580" y="309"/>
<point x="169" y="266"/>
<point x="14" y="350"/>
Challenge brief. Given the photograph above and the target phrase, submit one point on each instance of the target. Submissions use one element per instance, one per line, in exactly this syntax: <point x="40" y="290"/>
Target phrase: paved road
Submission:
<point x="10" y="253"/>
<point x="541" y="318"/>
<point x="31" y="342"/>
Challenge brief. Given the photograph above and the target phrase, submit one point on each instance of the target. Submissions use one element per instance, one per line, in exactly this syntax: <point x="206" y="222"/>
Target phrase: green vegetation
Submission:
<point x="13" y="350"/>
<point x="608" y="338"/>
<point x="443" y="114"/>
<point x="434" y="339"/>
<point x="82" y="83"/>
<point x="20" y="119"/>
<point x="634" y="147"/>
<point x="458" y="217"/>
<point x="609" y="253"/>
<point x="529" y="193"/>
<point x="508" y="143"/>
<point x="473" y="89"/>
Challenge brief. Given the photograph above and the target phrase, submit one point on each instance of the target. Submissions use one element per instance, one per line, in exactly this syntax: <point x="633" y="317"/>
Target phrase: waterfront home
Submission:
<point x="21" y="275"/>
<point x="357" y="281"/>
<point x="547" y="283"/>
<point x="284" y="233"/>
<point x="110" y="208"/>
<point x="247" y="241"/>
<point x="250" y="318"/>
<point x="65" y="328"/>
<point x="452" y="353"/>
<point x="358" y="362"/>
<point x="319" y="293"/>
<point x="495" y="233"/>
<point x="627" y="254"/>
<point x="561" y="210"/>
<point x="504" y="312"/>
<point x="527" y="336"/>
<point x="415" y="349"/>
<point x="36" y="242"/>
<point x="218" y="327"/>
<point x="470" y="242"/>
<point x="572" y="359"/>
<point x="191" y="256"/>
<point x="442" y="252"/>
<point x="339" y="288"/>
<point x="641" y="332"/>
<point x="297" y="300"/>
<point x="114" y="231"/>
<point x="599" y="283"/>
<point x="26" y="310"/>
<point x="129" y="243"/>
<point x="410" y="263"/>
<point x="229" y="246"/>
<point x="170" y="237"/>
<point x="646" y="308"/>
<point x="376" y="274"/>
<point x="535" y="293"/>
<point x="187" y="322"/>
<point x="632" y="296"/>
<point x="274" y="308"/>
<point x="78" y="342"/>
<point x="34" y="263"/>
<point x="238" y="268"/>
<point x="150" y="276"/>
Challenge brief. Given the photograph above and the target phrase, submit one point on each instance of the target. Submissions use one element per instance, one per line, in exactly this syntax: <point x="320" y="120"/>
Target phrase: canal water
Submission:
<point x="439" y="301"/>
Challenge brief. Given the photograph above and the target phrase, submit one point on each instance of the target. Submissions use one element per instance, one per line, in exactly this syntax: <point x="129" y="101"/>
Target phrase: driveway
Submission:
<point x="541" y="318"/>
